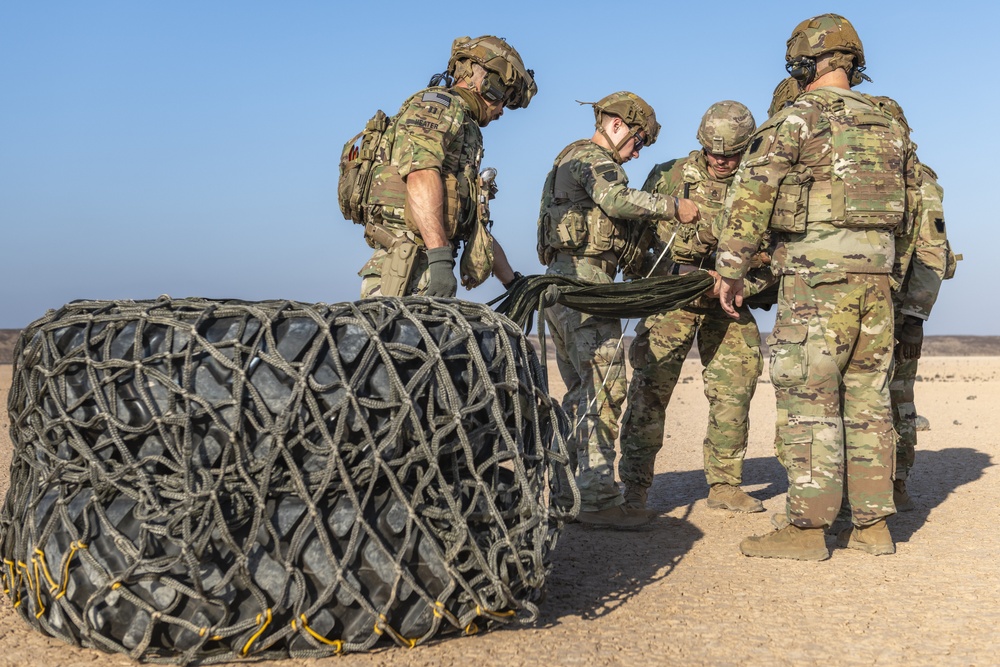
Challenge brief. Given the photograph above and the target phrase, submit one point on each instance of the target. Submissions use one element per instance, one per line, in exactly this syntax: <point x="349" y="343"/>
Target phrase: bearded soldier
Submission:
<point x="590" y="224"/>
<point x="426" y="193"/>
<point x="729" y="349"/>
<point x="834" y="178"/>
<point x="926" y="261"/>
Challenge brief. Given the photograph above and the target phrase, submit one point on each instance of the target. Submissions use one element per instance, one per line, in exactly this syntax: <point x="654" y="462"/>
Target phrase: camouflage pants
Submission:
<point x="831" y="350"/>
<point x="904" y="413"/>
<point x="730" y="355"/>
<point x="586" y="355"/>
<point x="371" y="275"/>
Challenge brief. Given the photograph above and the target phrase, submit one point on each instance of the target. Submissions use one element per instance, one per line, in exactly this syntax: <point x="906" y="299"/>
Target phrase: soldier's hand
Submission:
<point x="730" y="293"/>
<point x="911" y="338"/>
<point x="687" y="211"/>
<point x="714" y="293"/>
<point x="440" y="266"/>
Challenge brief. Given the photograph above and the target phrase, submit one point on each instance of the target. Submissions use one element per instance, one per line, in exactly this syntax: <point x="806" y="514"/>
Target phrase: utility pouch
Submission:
<point x="790" y="209"/>
<point x="476" y="264"/>
<point x="356" y="161"/>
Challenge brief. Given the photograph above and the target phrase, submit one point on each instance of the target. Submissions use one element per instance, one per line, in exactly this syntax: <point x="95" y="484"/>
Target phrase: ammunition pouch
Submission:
<point x="792" y="206"/>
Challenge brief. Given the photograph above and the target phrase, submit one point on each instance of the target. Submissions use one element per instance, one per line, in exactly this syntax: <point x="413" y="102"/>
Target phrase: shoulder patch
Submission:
<point x="939" y="225"/>
<point x="608" y="171"/>
<point x="755" y="145"/>
<point x="439" y="98"/>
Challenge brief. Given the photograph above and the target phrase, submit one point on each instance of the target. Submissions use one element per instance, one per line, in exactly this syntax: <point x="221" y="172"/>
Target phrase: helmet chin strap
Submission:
<point x="616" y="152"/>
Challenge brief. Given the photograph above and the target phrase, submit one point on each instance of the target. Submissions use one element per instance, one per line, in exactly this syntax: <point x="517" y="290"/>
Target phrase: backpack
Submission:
<point x="356" y="161"/>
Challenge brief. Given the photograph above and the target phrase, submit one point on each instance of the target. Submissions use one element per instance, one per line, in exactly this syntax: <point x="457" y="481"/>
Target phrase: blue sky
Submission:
<point x="190" y="148"/>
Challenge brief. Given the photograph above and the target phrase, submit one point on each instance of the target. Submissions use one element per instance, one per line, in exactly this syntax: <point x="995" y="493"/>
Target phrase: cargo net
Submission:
<point x="197" y="481"/>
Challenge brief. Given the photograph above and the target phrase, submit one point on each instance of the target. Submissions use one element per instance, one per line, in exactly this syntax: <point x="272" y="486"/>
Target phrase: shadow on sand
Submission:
<point x="935" y="476"/>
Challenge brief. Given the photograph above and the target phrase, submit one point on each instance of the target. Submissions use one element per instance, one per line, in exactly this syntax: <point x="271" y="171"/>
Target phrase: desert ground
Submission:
<point x="680" y="592"/>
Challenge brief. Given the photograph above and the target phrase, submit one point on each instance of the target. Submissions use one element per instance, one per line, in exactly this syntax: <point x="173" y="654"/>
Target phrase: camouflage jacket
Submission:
<point x="788" y="174"/>
<point x="695" y="244"/>
<point x="587" y="208"/>
<point x="434" y="129"/>
<point x="926" y="258"/>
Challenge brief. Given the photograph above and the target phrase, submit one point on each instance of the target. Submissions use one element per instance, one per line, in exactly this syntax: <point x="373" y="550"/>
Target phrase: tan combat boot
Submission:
<point x="902" y="499"/>
<point x="730" y="497"/>
<point x="874" y="539"/>
<point x="619" y="517"/>
<point x="635" y="497"/>
<point x="789" y="542"/>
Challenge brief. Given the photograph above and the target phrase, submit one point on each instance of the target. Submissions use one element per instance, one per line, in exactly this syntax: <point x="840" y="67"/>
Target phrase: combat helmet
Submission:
<point x="506" y="80"/>
<point x="633" y="110"/>
<point x="726" y="128"/>
<point x="784" y="95"/>
<point x="826" y="33"/>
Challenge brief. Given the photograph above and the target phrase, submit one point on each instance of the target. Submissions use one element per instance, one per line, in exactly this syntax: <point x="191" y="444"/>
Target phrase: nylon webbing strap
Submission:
<point x="638" y="298"/>
<point x="212" y="480"/>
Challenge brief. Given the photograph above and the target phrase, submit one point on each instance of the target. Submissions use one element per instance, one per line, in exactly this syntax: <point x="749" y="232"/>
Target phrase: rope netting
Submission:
<point x="199" y="480"/>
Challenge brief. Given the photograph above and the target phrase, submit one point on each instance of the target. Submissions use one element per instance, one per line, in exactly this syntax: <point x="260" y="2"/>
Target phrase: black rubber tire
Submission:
<point x="200" y="480"/>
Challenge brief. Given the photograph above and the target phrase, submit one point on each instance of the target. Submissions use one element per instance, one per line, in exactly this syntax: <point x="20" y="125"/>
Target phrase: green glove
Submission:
<point x="911" y="338"/>
<point x="440" y="266"/>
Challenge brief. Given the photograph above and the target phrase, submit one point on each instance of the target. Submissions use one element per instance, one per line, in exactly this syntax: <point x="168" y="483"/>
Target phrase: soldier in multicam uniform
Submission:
<point x="926" y="262"/>
<point x="785" y="93"/>
<point x="729" y="349"/>
<point x="834" y="177"/>
<point x="591" y="222"/>
<point x="426" y="193"/>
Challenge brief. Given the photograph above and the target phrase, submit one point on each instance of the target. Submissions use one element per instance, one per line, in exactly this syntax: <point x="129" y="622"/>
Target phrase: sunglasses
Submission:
<point x="640" y="141"/>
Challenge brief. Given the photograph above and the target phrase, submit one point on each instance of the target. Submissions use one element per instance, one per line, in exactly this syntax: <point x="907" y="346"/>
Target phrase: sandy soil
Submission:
<point x="680" y="593"/>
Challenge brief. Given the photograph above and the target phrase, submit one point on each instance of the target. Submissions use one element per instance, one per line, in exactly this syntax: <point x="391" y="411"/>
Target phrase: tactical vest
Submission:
<point x="579" y="228"/>
<point x="697" y="242"/>
<point x="459" y="173"/>
<point x="863" y="187"/>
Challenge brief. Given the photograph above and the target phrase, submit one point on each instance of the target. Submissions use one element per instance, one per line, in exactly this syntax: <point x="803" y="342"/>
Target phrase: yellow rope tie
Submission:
<point x="8" y="581"/>
<point x="496" y="615"/>
<point x="336" y="643"/>
<point x="400" y="639"/>
<point x="471" y="629"/>
<point x="441" y="611"/>
<point x="14" y="581"/>
<point x="267" y="621"/>
<point x="53" y="586"/>
<point x="73" y="548"/>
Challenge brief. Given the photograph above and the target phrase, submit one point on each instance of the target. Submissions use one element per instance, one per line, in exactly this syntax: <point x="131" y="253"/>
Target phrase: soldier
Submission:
<point x="927" y="261"/>
<point x="784" y="95"/>
<point x="590" y="223"/>
<point x="834" y="177"/>
<point x="729" y="349"/>
<point x="426" y="192"/>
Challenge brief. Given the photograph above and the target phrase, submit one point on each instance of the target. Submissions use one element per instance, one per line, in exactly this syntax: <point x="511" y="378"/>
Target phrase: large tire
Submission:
<point x="203" y="480"/>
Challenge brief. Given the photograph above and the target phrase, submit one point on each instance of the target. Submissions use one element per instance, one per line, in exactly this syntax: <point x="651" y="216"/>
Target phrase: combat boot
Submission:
<point x="635" y="497"/>
<point x="731" y="497"/>
<point x="618" y="517"/>
<point x="789" y="542"/>
<point x="902" y="499"/>
<point x="874" y="539"/>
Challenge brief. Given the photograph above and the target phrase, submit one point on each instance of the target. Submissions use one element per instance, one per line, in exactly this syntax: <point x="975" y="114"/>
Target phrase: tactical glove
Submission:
<point x="911" y="338"/>
<point x="440" y="266"/>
